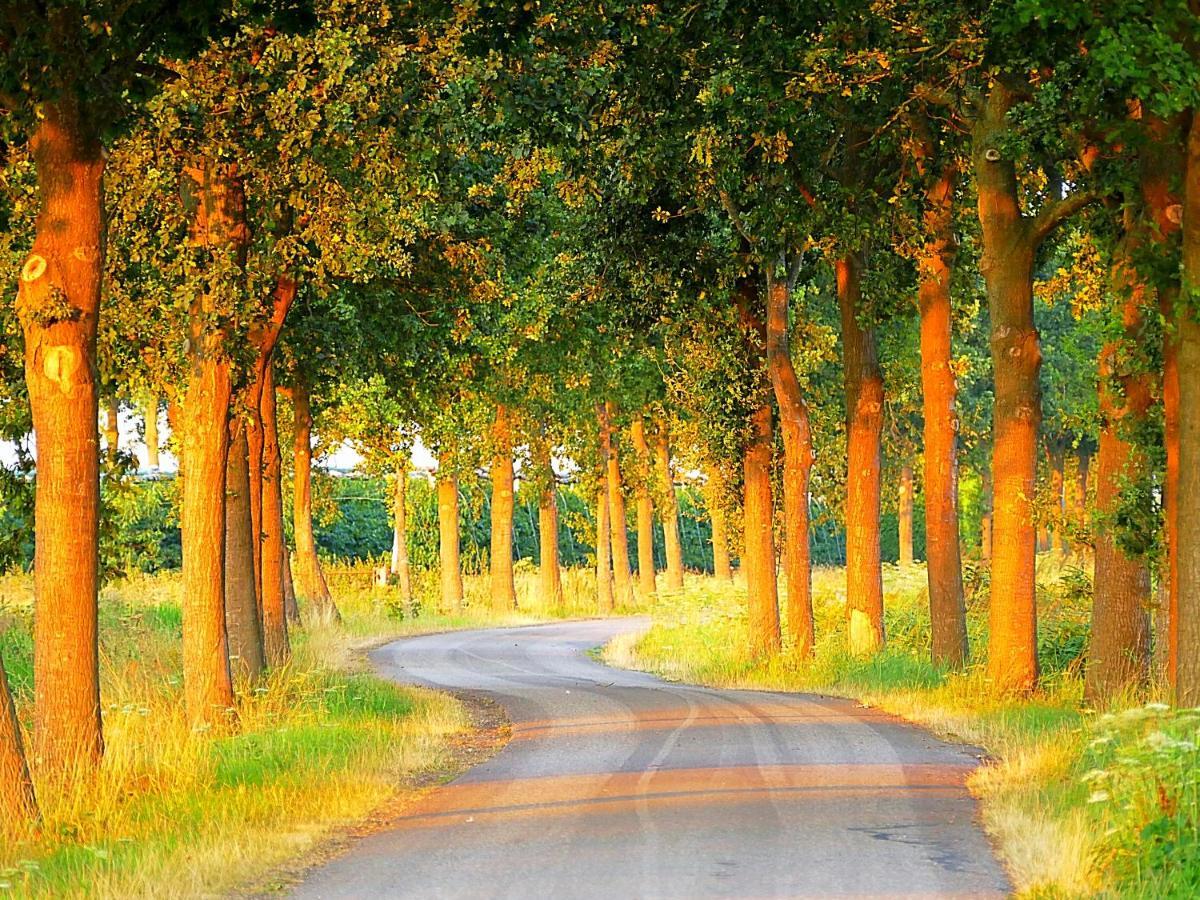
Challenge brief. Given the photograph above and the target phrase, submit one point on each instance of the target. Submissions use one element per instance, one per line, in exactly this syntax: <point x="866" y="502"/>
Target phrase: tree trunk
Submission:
<point x="604" y="580"/>
<point x="943" y="559"/>
<point x="447" y="500"/>
<point x="797" y="466"/>
<point x="1057" y="455"/>
<point x="311" y="586"/>
<point x="242" y="621"/>
<point x="504" y="591"/>
<point x="1007" y="267"/>
<point x="64" y="269"/>
<point x="18" y="804"/>
<point x="722" y="570"/>
<point x="622" y="576"/>
<point x="151" y="422"/>
<point x="214" y="193"/>
<point x="1162" y="166"/>
<point x="1186" y="621"/>
<point x="549" y="573"/>
<point x="645" y="509"/>
<point x="904" y="517"/>
<point x="864" y="429"/>
<point x="1118" y="653"/>
<point x="400" y="566"/>
<point x="290" y="605"/>
<point x="670" y="508"/>
<point x="112" y="428"/>
<point x="758" y="513"/>
<point x="275" y="562"/>
<point x="1079" y="510"/>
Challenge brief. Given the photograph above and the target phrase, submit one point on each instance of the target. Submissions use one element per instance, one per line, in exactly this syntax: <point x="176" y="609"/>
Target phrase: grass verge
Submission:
<point x="319" y="745"/>
<point x="1079" y="804"/>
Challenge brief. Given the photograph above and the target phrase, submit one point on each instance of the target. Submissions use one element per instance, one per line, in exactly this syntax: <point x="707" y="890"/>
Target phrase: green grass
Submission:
<point x="319" y="744"/>
<point x="1079" y="804"/>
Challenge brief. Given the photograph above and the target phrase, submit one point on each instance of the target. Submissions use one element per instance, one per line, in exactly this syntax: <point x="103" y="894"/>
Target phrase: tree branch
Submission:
<point x="1056" y="212"/>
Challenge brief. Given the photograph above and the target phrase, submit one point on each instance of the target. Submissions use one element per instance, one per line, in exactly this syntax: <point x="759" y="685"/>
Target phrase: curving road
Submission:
<point x="616" y="784"/>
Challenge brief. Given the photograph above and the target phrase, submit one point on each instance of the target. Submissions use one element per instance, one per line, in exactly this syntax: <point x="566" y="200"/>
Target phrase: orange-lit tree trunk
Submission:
<point x="715" y="496"/>
<point x="18" y="804"/>
<point x="645" y="508"/>
<point x="400" y="565"/>
<point x="622" y="576"/>
<point x="219" y="224"/>
<point x="1057" y="458"/>
<point x="549" y="572"/>
<point x="1161" y="171"/>
<point x="311" y="586"/>
<point x="289" y="587"/>
<point x="275" y="562"/>
<point x="947" y="607"/>
<point x="864" y="429"/>
<point x="1010" y="243"/>
<point x="904" y="516"/>
<point x="242" y="617"/>
<point x="58" y="302"/>
<point x="112" y="428"/>
<point x="1118" y="653"/>
<point x="451" y="571"/>
<point x="1077" y="498"/>
<point x="504" y="592"/>
<point x="797" y="466"/>
<point x="758" y="560"/>
<point x="263" y="337"/>
<point x="151" y="425"/>
<point x="669" y="507"/>
<point x="1186" y="621"/>
<point x="604" y="580"/>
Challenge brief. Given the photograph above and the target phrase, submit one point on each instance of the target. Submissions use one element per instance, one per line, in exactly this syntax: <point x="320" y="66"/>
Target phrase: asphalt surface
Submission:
<point x="617" y="784"/>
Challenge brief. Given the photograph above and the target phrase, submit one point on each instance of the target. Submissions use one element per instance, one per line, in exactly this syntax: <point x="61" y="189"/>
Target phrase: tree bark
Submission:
<point x="1057" y="455"/>
<point x="275" y="562"/>
<point x="722" y="570"/>
<point x="1186" y="621"/>
<point x="1009" y="245"/>
<point x="289" y="588"/>
<point x="504" y="591"/>
<point x="622" y="576"/>
<point x="447" y="500"/>
<point x="18" y="803"/>
<point x="669" y="508"/>
<point x="943" y="555"/>
<point x="58" y="303"/>
<point x="797" y="466"/>
<point x="400" y="565"/>
<point x="112" y="428"/>
<point x="758" y="515"/>
<point x="904" y="516"/>
<point x="605" y="600"/>
<point x="214" y="192"/>
<point x="242" y="617"/>
<point x="549" y="573"/>
<point x="864" y="429"/>
<point x="1118" y="654"/>
<point x="1078" y="501"/>
<point x="310" y="579"/>
<point x="645" y="509"/>
<point x="151" y="422"/>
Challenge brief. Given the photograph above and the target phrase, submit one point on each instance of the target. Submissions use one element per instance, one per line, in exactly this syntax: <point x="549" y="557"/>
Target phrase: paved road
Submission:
<point x="617" y="784"/>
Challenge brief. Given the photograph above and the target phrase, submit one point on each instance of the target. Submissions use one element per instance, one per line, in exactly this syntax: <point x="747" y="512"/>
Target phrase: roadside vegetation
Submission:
<point x="1079" y="803"/>
<point x="318" y="744"/>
